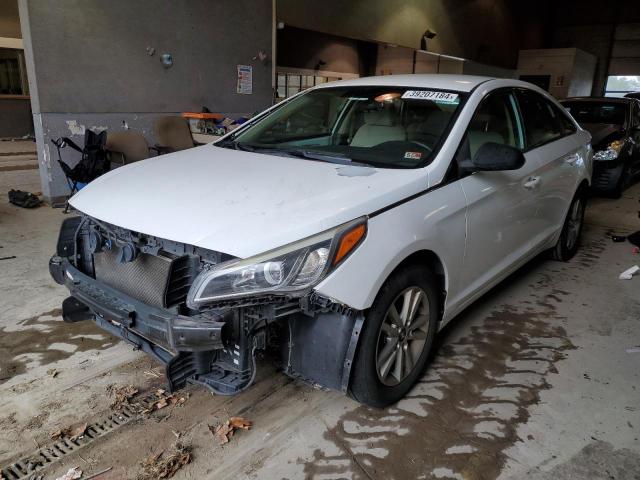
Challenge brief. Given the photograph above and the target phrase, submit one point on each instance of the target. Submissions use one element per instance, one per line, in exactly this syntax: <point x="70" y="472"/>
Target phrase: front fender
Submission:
<point x="434" y="221"/>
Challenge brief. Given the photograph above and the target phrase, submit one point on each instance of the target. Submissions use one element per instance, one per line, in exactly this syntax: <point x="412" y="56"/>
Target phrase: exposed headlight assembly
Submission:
<point x="294" y="267"/>
<point x="611" y="152"/>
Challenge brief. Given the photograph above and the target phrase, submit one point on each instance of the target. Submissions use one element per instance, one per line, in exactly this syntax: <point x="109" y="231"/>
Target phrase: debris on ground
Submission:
<point x="24" y="199"/>
<point x="97" y="474"/>
<point x="634" y="238"/>
<point x="72" y="433"/>
<point x="152" y="373"/>
<point x="53" y="372"/>
<point x="628" y="274"/>
<point x="224" y="431"/>
<point x="121" y="395"/>
<point x="73" y="474"/>
<point x="618" y="238"/>
<point x="165" y="466"/>
<point x="164" y="400"/>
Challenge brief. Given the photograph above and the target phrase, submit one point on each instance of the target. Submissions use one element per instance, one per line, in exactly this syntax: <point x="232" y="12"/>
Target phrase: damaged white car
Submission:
<point x="340" y="229"/>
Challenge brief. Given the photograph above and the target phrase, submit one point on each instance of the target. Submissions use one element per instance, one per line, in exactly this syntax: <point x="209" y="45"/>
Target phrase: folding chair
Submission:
<point x="173" y="134"/>
<point x="93" y="163"/>
<point x="128" y="146"/>
<point x="72" y="181"/>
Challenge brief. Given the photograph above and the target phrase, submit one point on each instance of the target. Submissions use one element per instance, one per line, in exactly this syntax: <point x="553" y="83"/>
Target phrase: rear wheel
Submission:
<point x="569" y="240"/>
<point x="396" y="338"/>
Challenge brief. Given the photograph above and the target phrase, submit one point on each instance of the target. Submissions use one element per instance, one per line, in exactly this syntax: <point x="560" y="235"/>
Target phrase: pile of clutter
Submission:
<point x="210" y="123"/>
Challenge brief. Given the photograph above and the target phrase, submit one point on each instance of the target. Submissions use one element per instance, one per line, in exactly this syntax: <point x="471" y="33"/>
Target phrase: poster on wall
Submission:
<point x="245" y="80"/>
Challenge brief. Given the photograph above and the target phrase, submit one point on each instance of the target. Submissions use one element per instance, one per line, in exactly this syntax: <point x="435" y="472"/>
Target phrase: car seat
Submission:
<point x="379" y="127"/>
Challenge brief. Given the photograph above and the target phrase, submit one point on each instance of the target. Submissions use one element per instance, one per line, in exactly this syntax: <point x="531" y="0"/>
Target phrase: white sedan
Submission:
<point x="340" y="229"/>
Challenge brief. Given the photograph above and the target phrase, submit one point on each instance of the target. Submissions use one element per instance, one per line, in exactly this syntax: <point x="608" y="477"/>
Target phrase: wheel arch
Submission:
<point x="431" y="261"/>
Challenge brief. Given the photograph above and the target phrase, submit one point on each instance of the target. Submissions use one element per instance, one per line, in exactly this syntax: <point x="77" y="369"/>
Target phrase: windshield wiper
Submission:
<point x="294" y="152"/>
<point x="237" y="145"/>
<point x="321" y="156"/>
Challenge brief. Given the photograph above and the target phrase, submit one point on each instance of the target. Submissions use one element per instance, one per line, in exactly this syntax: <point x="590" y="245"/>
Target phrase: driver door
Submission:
<point x="501" y="205"/>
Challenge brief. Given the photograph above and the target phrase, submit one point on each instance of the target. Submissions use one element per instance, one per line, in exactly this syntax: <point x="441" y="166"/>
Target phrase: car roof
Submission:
<point x="598" y="99"/>
<point x="460" y="83"/>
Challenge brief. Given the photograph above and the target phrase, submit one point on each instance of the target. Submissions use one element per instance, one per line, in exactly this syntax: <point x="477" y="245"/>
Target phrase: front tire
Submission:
<point x="621" y="183"/>
<point x="396" y="338"/>
<point x="569" y="240"/>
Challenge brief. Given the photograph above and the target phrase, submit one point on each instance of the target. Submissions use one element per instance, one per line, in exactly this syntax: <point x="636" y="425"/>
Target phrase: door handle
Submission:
<point x="532" y="182"/>
<point x="571" y="159"/>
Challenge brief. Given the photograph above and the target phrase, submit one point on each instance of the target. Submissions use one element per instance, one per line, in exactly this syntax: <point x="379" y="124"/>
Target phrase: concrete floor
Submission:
<point x="539" y="380"/>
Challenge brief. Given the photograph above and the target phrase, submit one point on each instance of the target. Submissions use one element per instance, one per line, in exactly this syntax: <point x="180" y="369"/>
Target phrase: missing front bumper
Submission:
<point x="131" y="318"/>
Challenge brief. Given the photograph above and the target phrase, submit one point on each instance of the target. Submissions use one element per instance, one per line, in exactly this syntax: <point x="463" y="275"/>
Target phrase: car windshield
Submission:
<point x="597" y="112"/>
<point x="388" y="127"/>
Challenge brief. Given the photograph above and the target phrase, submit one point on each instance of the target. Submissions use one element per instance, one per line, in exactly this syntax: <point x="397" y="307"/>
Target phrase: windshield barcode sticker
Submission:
<point x="444" y="97"/>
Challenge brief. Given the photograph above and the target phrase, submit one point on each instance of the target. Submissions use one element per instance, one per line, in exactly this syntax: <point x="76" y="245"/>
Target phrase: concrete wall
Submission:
<point x="571" y="70"/>
<point x="89" y="65"/>
<point x="398" y="60"/>
<point x="394" y="60"/>
<point x="300" y="48"/>
<point x="486" y="31"/>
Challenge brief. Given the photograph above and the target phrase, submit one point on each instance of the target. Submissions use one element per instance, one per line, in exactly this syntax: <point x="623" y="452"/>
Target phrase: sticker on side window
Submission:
<point x="443" y="97"/>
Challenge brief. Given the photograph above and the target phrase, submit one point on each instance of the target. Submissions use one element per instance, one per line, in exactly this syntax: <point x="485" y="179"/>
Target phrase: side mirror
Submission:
<point x="492" y="157"/>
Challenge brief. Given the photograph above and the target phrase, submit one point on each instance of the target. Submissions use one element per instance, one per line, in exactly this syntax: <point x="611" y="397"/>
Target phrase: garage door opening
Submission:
<point x="620" y="85"/>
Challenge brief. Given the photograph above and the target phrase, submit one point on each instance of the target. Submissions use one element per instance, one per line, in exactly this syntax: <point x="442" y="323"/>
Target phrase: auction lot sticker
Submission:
<point x="444" y="97"/>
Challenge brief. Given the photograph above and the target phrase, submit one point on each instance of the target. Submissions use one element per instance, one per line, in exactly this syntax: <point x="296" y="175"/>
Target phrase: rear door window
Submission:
<point x="542" y="123"/>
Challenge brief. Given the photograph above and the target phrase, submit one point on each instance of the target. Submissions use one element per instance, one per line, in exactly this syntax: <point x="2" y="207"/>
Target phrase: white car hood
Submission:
<point x="240" y="203"/>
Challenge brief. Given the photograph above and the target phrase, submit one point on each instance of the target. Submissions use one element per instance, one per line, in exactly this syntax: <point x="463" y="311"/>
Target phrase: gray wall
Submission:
<point x="484" y="31"/>
<point x="89" y="67"/>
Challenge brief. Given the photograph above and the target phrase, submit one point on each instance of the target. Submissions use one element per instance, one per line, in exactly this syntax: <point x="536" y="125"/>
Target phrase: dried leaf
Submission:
<point x="164" y="401"/>
<point x="72" y="433"/>
<point x="122" y="395"/>
<point x="54" y="373"/>
<point x="165" y="466"/>
<point x="78" y="431"/>
<point x="224" y="431"/>
<point x="239" y="422"/>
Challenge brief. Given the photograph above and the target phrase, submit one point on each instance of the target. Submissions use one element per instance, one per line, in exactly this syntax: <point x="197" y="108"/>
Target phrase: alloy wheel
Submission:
<point x="402" y="336"/>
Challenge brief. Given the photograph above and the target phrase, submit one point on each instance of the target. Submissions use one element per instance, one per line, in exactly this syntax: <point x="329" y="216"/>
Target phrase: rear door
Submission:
<point x="501" y="218"/>
<point x="634" y="135"/>
<point x="551" y="142"/>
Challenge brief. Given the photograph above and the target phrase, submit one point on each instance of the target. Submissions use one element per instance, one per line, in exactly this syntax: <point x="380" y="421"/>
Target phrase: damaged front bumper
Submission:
<point x="319" y="348"/>
<point x="312" y="337"/>
<point x="154" y="330"/>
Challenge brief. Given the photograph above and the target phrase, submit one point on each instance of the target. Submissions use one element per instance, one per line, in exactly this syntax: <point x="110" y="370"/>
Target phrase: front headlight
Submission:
<point x="611" y="152"/>
<point x="295" y="267"/>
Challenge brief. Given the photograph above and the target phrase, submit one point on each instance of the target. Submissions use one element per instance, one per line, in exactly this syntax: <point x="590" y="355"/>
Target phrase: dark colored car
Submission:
<point x="614" y="124"/>
<point x="635" y="95"/>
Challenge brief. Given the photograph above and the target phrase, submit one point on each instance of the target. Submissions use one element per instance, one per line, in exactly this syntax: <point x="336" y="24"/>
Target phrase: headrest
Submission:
<point x="382" y="118"/>
<point x="437" y="121"/>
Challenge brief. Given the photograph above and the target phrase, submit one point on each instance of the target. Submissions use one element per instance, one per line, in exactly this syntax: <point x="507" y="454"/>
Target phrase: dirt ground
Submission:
<point x="537" y="380"/>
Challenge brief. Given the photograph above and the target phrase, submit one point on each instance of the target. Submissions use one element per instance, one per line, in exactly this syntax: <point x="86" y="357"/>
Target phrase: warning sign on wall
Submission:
<point x="245" y="79"/>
